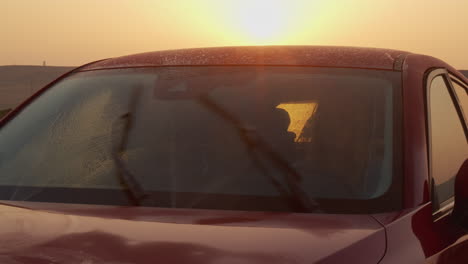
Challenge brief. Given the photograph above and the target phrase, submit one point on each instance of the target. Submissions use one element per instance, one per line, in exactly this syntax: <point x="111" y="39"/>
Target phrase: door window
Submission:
<point x="448" y="141"/>
<point x="462" y="96"/>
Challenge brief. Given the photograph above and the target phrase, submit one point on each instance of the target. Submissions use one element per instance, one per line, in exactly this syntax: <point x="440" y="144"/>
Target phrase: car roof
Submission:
<point x="319" y="56"/>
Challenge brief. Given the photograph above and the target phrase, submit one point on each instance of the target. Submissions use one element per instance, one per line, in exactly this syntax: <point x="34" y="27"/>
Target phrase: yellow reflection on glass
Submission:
<point x="299" y="113"/>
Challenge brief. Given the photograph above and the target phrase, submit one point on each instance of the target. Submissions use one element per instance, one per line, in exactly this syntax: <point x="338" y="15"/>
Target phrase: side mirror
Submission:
<point x="460" y="210"/>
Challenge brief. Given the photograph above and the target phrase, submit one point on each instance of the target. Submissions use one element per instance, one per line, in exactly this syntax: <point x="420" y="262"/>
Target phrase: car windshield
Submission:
<point x="225" y="137"/>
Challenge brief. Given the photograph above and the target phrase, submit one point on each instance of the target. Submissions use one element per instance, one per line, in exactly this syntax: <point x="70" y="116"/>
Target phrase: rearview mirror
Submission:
<point x="460" y="210"/>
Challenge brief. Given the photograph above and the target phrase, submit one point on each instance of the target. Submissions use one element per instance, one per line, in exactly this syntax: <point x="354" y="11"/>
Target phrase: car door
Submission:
<point x="447" y="104"/>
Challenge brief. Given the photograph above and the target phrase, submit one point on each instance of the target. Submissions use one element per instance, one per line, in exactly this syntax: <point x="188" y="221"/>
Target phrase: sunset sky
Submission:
<point x="66" y="32"/>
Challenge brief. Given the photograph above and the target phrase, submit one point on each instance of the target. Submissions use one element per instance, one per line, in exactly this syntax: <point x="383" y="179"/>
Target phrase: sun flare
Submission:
<point x="261" y="21"/>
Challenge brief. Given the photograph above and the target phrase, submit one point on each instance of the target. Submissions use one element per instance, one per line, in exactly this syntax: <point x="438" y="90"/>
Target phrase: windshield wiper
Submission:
<point x="134" y="190"/>
<point x="254" y="142"/>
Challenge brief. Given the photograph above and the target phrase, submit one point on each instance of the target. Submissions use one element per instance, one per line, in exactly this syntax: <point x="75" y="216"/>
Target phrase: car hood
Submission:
<point x="64" y="233"/>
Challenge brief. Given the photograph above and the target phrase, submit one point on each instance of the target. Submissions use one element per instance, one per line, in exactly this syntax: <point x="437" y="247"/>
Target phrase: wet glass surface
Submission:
<point x="334" y="127"/>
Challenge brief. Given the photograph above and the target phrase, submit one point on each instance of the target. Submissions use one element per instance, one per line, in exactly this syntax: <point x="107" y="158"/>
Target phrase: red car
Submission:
<point x="276" y="154"/>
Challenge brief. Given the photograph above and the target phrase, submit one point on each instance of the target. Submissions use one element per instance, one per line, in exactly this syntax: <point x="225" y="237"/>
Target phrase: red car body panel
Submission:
<point x="414" y="126"/>
<point x="412" y="234"/>
<point x="63" y="233"/>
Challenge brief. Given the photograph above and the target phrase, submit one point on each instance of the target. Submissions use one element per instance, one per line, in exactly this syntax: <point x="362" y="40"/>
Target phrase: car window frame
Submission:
<point x="444" y="208"/>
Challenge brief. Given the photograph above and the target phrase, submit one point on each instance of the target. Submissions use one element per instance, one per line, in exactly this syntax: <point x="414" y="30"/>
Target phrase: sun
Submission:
<point x="260" y="21"/>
